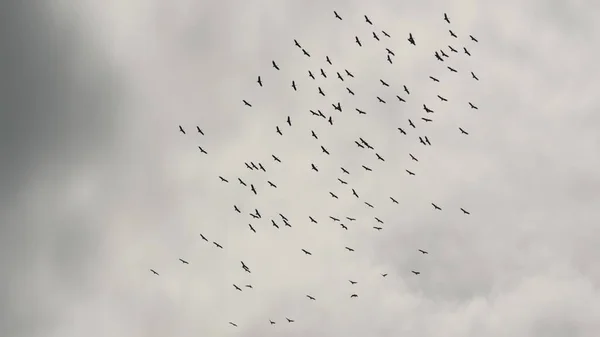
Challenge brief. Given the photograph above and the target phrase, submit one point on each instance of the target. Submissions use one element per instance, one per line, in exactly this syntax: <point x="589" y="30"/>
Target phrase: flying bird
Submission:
<point x="312" y="219"/>
<point x="246" y="103"/>
<point x="472" y="106"/>
<point x="379" y="220"/>
<point x="383" y="83"/>
<point x="289" y="320"/>
<point x="253" y="189"/>
<point x="314" y="167"/>
<point x="354" y="193"/>
<point x="344" y="226"/>
<point x="233" y="324"/>
<point x="323" y="73"/>
<point x="368" y="21"/>
<point x="375" y="36"/>
<point x="270" y="321"/>
<point x="297" y="44"/>
<point x="389" y="59"/>
<point x="400" y="98"/>
<point x="337" y="107"/>
<point x="349" y="249"/>
<point x="353" y="295"/>
<point x="350" y="219"/>
<point x="357" y="41"/>
<point x="259" y="81"/>
<point x="328" y="60"/>
<point x="426" y="119"/>
<point x="311" y="298"/>
<point x="337" y="15"/>
<point x="466" y="51"/>
<point x="321" y="91"/>
<point x="371" y="206"/>
<point x="310" y="74"/>
<point x="437" y="56"/>
<point x="349" y="91"/>
<point x="434" y="79"/>
<point x="452" y="34"/>
<point x="406" y="90"/>
<point x="436" y="207"/>
<point x="184" y="261"/>
<point x="464" y="211"/>
<point x="446" y="18"/>
<point x="334" y="218"/>
<point x="452" y="49"/>
<point x="199" y="130"/>
<point x="305" y="52"/>
<point x="423" y="252"/>
<point x="252" y="228"/>
<point x="343" y="182"/>
<point x="223" y="179"/>
<point x="275" y="158"/>
<point x="242" y="182"/>
<point x="377" y="228"/>
<point x="294" y="85"/>
<point x="463" y="131"/>
<point x="275" y="65"/>
<point x="380" y="100"/>
<point x="366" y="168"/>
<point x="416" y="272"/>
<point x="442" y="98"/>
<point x="349" y="73"/>
<point x="474" y="77"/>
<point x="384" y="33"/>
<point x="390" y="52"/>
<point x="202" y="150"/>
<point x="203" y="238"/>
<point x="181" y="129"/>
<point x="274" y="223"/>
<point x="411" y="39"/>
<point x="409" y="172"/>
<point x="306" y="252"/>
<point x="473" y="39"/>
<point x="427" y="110"/>
<point x="340" y="77"/>
<point x="314" y="134"/>
<point x="452" y="69"/>
<point x="324" y="150"/>
<point x="394" y="200"/>
<point x="422" y="141"/>
<point x="427" y="140"/>
<point x="379" y="157"/>
<point x="411" y="124"/>
<point x="154" y="272"/>
<point x="413" y="157"/>
<point x="402" y="131"/>
<point x="352" y="282"/>
<point x="237" y="288"/>
<point x="345" y="171"/>
<point x="333" y="195"/>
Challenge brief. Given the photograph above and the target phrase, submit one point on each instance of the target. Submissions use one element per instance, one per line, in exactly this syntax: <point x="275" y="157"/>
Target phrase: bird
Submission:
<point x="402" y="131"/>
<point x="154" y="272"/>
<point x="333" y="195"/>
<point x="337" y="15"/>
<point x="384" y="33"/>
<point x="437" y="56"/>
<point x="365" y="142"/>
<point x="289" y="320"/>
<point x="334" y="218"/>
<point x="383" y="83"/>
<point x="354" y="193"/>
<point x="274" y="223"/>
<point x="426" y="119"/>
<point x="411" y="39"/>
<point x="349" y="73"/>
<point x="463" y="131"/>
<point x="202" y="150"/>
<point x="259" y="81"/>
<point x="474" y="77"/>
<point x="427" y="110"/>
<point x="465" y="211"/>
<point x="423" y="252"/>
<point x="340" y="76"/>
<point x="380" y="100"/>
<point x="371" y="206"/>
<point x="321" y="91"/>
<point x="330" y="120"/>
<point x="253" y="189"/>
<point x="199" y="130"/>
<point x="473" y="39"/>
<point x="345" y="171"/>
<point x="436" y="206"/>
<point x="310" y="74"/>
<point x="314" y="167"/>
<point x="278" y="131"/>
<point x="257" y="213"/>
<point x="184" y="261"/>
<point x="409" y="172"/>
<point x="324" y="150"/>
<point x="252" y="228"/>
<point x="297" y="43"/>
<point x="368" y="21"/>
<point x="349" y="249"/>
<point x="306" y="252"/>
<point x="389" y="59"/>
<point x="366" y="168"/>
<point x="442" y="98"/>
<point x="350" y="219"/>
<point x="270" y="321"/>
<point x="323" y="73"/>
<point x="390" y="52"/>
<point x="377" y="228"/>
<point x="311" y="298"/>
<point x="242" y="182"/>
<point x="406" y="90"/>
<point x="400" y="98"/>
<point x="466" y="51"/>
<point x="181" y="129"/>
<point x="223" y="179"/>
<point x="472" y="106"/>
<point x="379" y="157"/>
<point x="359" y="144"/>
<point x="422" y="141"/>
<point x="375" y="36"/>
<point x="233" y="324"/>
<point x="248" y="286"/>
<point x="452" y="33"/>
<point x="337" y="107"/>
<point x="394" y="200"/>
<point x="312" y="219"/>
<point x="314" y="134"/>
<point x="246" y="103"/>
<point x="357" y="41"/>
<point x="434" y="79"/>
<point x="203" y="238"/>
<point x="360" y="112"/>
<point x="452" y="69"/>
<point x="384" y="275"/>
<point x="416" y="272"/>
<point x="352" y="282"/>
<point x="427" y="140"/>
<point x="446" y="18"/>
<point x="379" y="220"/>
<point x="353" y="295"/>
<point x="413" y="157"/>
<point x="327" y="59"/>
<point x="237" y="288"/>
<point x="305" y="52"/>
<point x="344" y="226"/>
<point x="294" y="85"/>
<point x="274" y="65"/>
<point x="411" y="124"/>
<point x="349" y="91"/>
<point x="452" y="49"/>
<point x="254" y="166"/>
<point x="275" y="158"/>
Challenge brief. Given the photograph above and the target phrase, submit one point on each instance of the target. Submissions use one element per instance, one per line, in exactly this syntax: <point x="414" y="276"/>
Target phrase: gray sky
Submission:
<point x="98" y="186"/>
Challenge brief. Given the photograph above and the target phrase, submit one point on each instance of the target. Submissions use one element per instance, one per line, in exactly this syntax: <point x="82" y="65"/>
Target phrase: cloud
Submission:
<point x="101" y="186"/>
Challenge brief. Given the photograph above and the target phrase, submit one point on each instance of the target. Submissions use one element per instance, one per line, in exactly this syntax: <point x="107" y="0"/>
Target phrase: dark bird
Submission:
<point x="312" y="219"/>
<point x="237" y="288"/>
<point x="368" y="21"/>
<point x="294" y="86"/>
<point x="366" y="168"/>
<point x="446" y="18"/>
<point x="365" y="142"/>
<point x="310" y="74"/>
<point x="334" y="218"/>
<point x="464" y="211"/>
<point x="233" y="324"/>
<point x="349" y="249"/>
<point x="466" y="51"/>
<point x="236" y="209"/>
<point x="289" y="320"/>
<point x="203" y="238"/>
<point x="422" y="141"/>
<point x="423" y="252"/>
<point x="323" y="73"/>
<point x="426" y="119"/>
<point x="321" y="114"/>
<point x="352" y="282"/>
<point x="353" y="295"/>
<point x="379" y="157"/>
<point x="333" y="195"/>
<point x="413" y="157"/>
<point x="286" y="223"/>
<point x="336" y="15"/>
<point x="411" y="39"/>
<point x="437" y="56"/>
<point x="402" y="131"/>
<point x="394" y="200"/>
<point x="400" y="98"/>
<point x="274" y="223"/>
<point x="321" y="91"/>
<point x="436" y="207"/>
<point x="473" y="39"/>
<point x="283" y="217"/>
<point x="181" y="130"/>
<point x="223" y="179"/>
<point x="310" y="297"/>
<point x="442" y="98"/>
<point x="351" y="219"/>
<point x="275" y="65"/>
<point x="379" y="220"/>
<point x="463" y="131"/>
<point x="384" y="84"/>
<point x="314" y="134"/>
<point x="202" y="150"/>
<point x="452" y="69"/>
<point x="384" y="33"/>
<point x="259" y="81"/>
<point x="154" y="272"/>
<point x="389" y="59"/>
<point x="427" y="110"/>
<point x="306" y="252"/>
<point x="344" y="170"/>
<point x="360" y="112"/>
<point x="390" y="52"/>
<point x="305" y="52"/>
<point x="242" y="182"/>
<point x="289" y="121"/>
<point x="272" y="185"/>
<point x="248" y="286"/>
<point x="349" y="73"/>
<point x="475" y="77"/>
<point x="244" y="265"/>
<point x="270" y="321"/>
<point x="357" y="41"/>
<point x="328" y="60"/>
<point x="384" y="275"/>
<point x="252" y="228"/>
<point x="427" y="140"/>
<point x="416" y="272"/>
<point x="199" y="130"/>
<point x="411" y="124"/>
<point x="434" y="79"/>
<point x="444" y="54"/>
<point x="278" y="131"/>
<point x="409" y="172"/>
<point x="337" y="107"/>
<point x="354" y="193"/>
<point x="452" y="34"/>
<point x="275" y="158"/>
<point x="380" y="100"/>
<point x="472" y="106"/>
<point x="314" y="167"/>
<point x="253" y="165"/>
<point x="406" y="90"/>
<point x="343" y="182"/>
<point x="349" y="91"/>
<point x="340" y="77"/>
<point x="452" y="49"/>
<point x="324" y="150"/>
<point x="359" y="144"/>
<point x="344" y="226"/>
<point x="253" y="189"/>
<point x="246" y="103"/>
<point x="330" y="120"/>
<point x="377" y="228"/>
<point x="375" y="36"/>
<point x="371" y="206"/>
<point x="297" y="44"/>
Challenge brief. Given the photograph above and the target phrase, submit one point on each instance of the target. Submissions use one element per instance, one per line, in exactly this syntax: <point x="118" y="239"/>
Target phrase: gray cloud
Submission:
<point x="100" y="187"/>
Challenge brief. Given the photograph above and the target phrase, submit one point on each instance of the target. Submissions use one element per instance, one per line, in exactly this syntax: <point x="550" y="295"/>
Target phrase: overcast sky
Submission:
<point x="98" y="185"/>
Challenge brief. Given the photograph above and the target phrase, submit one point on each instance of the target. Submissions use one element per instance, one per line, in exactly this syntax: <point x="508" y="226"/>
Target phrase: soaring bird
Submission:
<point x="446" y="18"/>
<point x="389" y="59"/>
<point x="406" y="90"/>
<point x="379" y="220"/>
<point x="311" y="298"/>
<point x="394" y="200"/>
<point x="434" y="79"/>
<point x="233" y="324"/>
<point x="371" y="206"/>
<point x="330" y="120"/>
<point x="310" y="74"/>
<point x="237" y="288"/>
<point x="248" y="286"/>
<point x="199" y="130"/>
<point x="275" y="65"/>
<point x="259" y="81"/>
<point x="294" y="85"/>
<point x="442" y="98"/>
<point x="367" y="168"/>
<point x="380" y="100"/>
<point x="472" y="106"/>
<point x="360" y="112"/>
<point x="306" y="252"/>
<point x="314" y="134"/>
<point x="202" y="150"/>
<point x="324" y="150"/>
<point x="384" y="275"/>
<point x="359" y="144"/>
<point x="350" y="91"/>
<point x="464" y="211"/>
<point x="337" y="15"/>
<point x="389" y="51"/>
<point x="409" y="172"/>
<point x="437" y="56"/>
<point x="314" y="167"/>
<point x="275" y="158"/>
<point x="379" y="157"/>
<point x="344" y="226"/>
<point x="452" y="34"/>
<point x="416" y="272"/>
<point x="452" y="69"/>
<point x="184" y="261"/>
<point x="402" y="131"/>
<point x="473" y="39"/>
<point x="368" y="21"/>
<point x="474" y="77"/>
<point x="452" y="49"/>
<point x="349" y="249"/>
<point x="270" y="321"/>
<point x="334" y="218"/>
<point x="354" y="193"/>
<point x="357" y="41"/>
<point x="252" y="228"/>
<point x="305" y="52"/>
<point x="242" y="182"/>
<point x="223" y="179"/>
<point x="436" y="207"/>
<point x="289" y="320"/>
<point x="297" y="44"/>
<point x="203" y="238"/>
<point x="321" y="91"/>
<point x="327" y="59"/>
<point x="312" y="219"/>
<point x="350" y="219"/>
<point x="333" y="195"/>
<point x="353" y="295"/>
<point x="344" y="170"/>
<point x="413" y="157"/>
<point x="426" y="119"/>
<point x="154" y="272"/>
<point x="253" y="189"/>
<point x="340" y="76"/>
<point x="383" y="83"/>
<point x="466" y="51"/>
<point x="411" y="124"/>
<point x="427" y="110"/>
<point x="337" y="107"/>
<point x="377" y="228"/>
<point x="181" y="129"/>
<point x="384" y="33"/>
<point x="349" y="73"/>
<point x="422" y="141"/>
<point x="274" y="223"/>
<point x="423" y="252"/>
<point x="375" y="36"/>
<point x="463" y="131"/>
<point x="246" y="103"/>
<point x="352" y="282"/>
<point x="400" y="98"/>
<point x="411" y="39"/>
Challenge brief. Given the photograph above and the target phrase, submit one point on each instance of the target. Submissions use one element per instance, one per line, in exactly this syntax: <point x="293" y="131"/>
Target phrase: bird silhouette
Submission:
<point x="357" y="41"/>
<point x="452" y="34"/>
<point x="349" y="249"/>
<point x="246" y="103"/>
<point x="237" y="288"/>
<point x="411" y="39"/>
<point x="375" y="36"/>
<point x="333" y="195"/>
<point x="297" y="44"/>
<point x="427" y="110"/>
<point x="323" y="73"/>
<point x="306" y="252"/>
<point x="270" y="321"/>
<point x="464" y="211"/>
<point x="252" y="228"/>
<point x="275" y="158"/>
<point x="324" y="150"/>
<point x="394" y="200"/>
<point x="416" y="272"/>
<point x="344" y="226"/>
<point x="463" y="131"/>
<point x="345" y="171"/>
<point x="353" y="296"/>
<point x="202" y="150"/>
<point x="446" y="18"/>
<point x="413" y="157"/>
<point x="402" y="131"/>
<point x="423" y="252"/>
<point x="233" y="324"/>
<point x="275" y="65"/>
<point x="434" y="79"/>
<point x="349" y="73"/>
<point x="474" y="77"/>
<point x="368" y="21"/>
<point x="379" y="220"/>
<point x="259" y="81"/>
<point x="305" y="52"/>
<point x="223" y="179"/>
<point x="199" y="130"/>
<point x="452" y="69"/>
<point x="426" y="119"/>
<point x="352" y="282"/>
<point x="354" y="193"/>
<point x="411" y="124"/>
<point x="410" y="173"/>
<point x="336" y="15"/>
<point x="321" y="91"/>
<point x="154" y="272"/>
<point x="452" y="49"/>
<point x="312" y="219"/>
<point x="436" y="207"/>
<point x="442" y="98"/>
<point x="311" y="298"/>
<point x="334" y="218"/>
<point x="389" y="51"/>
<point x="314" y="167"/>
<point x="384" y="33"/>
<point x="310" y="74"/>
<point x="377" y="228"/>
<point x="366" y="168"/>
<point x="473" y="39"/>
<point x="339" y="76"/>
<point x="472" y="106"/>
<point x="289" y="320"/>
<point x="328" y="60"/>
<point x="400" y="98"/>
<point x="466" y="51"/>
<point x="314" y="134"/>
<point x="253" y="189"/>
<point x="184" y="261"/>
<point x="383" y="83"/>
<point x="380" y="100"/>
<point x="181" y="130"/>
<point x="437" y="56"/>
<point x="389" y="59"/>
<point x="203" y="238"/>
<point x="371" y="206"/>
<point x="379" y="157"/>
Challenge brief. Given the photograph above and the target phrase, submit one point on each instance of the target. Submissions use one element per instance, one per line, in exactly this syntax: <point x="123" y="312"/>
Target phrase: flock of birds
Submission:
<point x="440" y="55"/>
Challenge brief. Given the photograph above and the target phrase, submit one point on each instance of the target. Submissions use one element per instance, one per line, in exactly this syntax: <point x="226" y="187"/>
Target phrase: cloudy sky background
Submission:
<point x="98" y="186"/>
